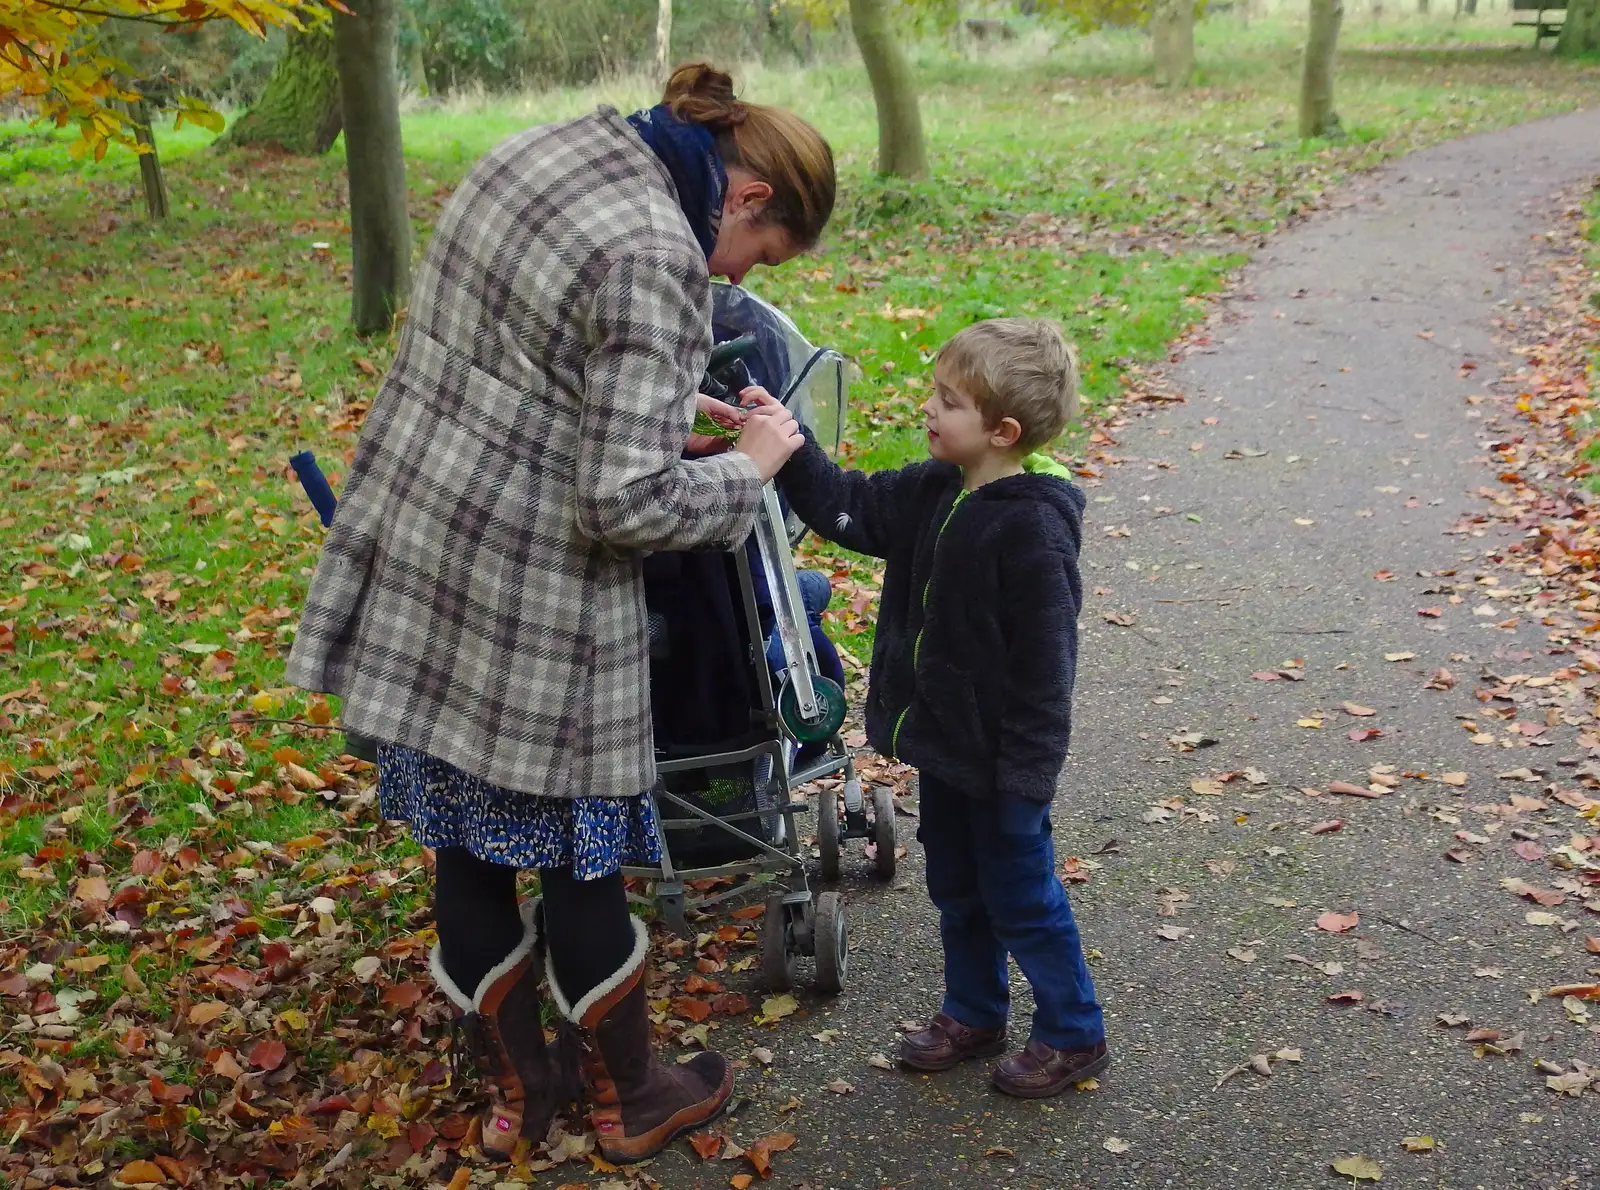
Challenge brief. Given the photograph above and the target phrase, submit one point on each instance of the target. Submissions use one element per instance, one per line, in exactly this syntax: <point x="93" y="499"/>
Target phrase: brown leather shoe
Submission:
<point x="947" y="1043"/>
<point x="1039" y="1072"/>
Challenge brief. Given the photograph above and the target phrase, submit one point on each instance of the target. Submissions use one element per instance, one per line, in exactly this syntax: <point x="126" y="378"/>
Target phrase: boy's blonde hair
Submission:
<point x="1022" y="368"/>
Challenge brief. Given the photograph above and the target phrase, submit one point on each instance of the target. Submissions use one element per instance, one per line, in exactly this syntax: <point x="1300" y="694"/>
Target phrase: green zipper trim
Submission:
<point x="916" y="645"/>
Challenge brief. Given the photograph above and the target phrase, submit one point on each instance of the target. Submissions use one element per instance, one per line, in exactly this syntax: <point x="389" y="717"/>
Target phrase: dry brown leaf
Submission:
<point x="304" y="779"/>
<point x="1359" y="1167"/>
<point x="142" y="1173"/>
<point x="1582" y="991"/>
<point x="1350" y="790"/>
<point x="1338" y="923"/>
<point x="206" y="1012"/>
<point x="706" y="1144"/>
<point x="1356" y="709"/>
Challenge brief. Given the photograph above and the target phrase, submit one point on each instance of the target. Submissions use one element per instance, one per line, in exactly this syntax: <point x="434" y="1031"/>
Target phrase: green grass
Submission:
<point x="156" y="547"/>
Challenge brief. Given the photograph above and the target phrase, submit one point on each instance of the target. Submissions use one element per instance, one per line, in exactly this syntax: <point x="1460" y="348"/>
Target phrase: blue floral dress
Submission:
<point x="445" y="807"/>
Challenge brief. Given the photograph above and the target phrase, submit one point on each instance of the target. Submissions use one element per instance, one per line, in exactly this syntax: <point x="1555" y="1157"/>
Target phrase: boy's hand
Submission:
<point x="770" y="433"/>
<point x="755" y="397"/>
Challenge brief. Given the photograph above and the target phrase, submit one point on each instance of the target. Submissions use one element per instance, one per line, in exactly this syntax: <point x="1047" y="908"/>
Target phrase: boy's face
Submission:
<point x="956" y="433"/>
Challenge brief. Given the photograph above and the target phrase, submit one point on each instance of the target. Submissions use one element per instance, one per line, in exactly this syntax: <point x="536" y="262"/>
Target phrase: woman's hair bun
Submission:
<point x="702" y="94"/>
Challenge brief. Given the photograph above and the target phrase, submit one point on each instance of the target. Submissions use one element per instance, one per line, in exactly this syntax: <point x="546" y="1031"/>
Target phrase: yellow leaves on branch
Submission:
<point x="50" y="56"/>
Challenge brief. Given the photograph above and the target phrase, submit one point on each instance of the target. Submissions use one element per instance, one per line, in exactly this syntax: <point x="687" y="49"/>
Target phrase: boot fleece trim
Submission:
<point x="631" y="966"/>
<point x="532" y="940"/>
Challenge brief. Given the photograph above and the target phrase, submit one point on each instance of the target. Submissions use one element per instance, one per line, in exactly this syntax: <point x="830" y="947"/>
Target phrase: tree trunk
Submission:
<point x="1317" y="117"/>
<point x="1581" y="33"/>
<point x="900" y="148"/>
<point x="298" y="111"/>
<point x="150" y="175"/>
<point x="416" y="70"/>
<point x="663" y="38"/>
<point x="1172" y="31"/>
<point x="380" y="227"/>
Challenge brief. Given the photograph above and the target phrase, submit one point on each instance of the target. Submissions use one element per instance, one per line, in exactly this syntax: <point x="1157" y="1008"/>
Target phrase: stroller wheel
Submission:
<point x="777" y="947"/>
<point x="832" y="933"/>
<point x="828" y="833"/>
<point x="883" y="831"/>
<point x="830" y="703"/>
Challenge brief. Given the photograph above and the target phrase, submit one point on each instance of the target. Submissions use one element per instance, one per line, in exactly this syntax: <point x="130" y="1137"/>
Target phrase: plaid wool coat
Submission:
<point x="479" y="596"/>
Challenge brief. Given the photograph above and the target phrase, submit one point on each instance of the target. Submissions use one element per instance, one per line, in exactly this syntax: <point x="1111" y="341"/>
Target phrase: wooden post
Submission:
<point x="155" y="183"/>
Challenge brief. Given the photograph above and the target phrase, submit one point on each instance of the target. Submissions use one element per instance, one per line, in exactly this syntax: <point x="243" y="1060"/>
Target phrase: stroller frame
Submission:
<point x="798" y="921"/>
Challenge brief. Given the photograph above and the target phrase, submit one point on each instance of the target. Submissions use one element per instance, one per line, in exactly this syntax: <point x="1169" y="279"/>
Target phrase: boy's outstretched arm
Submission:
<point x="864" y="512"/>
<point x="1039" y="594"/>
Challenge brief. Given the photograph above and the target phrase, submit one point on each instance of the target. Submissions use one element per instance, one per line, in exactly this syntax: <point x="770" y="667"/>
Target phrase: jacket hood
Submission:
<point x="1040" y="463"/>
<point x="1043" y="481"/>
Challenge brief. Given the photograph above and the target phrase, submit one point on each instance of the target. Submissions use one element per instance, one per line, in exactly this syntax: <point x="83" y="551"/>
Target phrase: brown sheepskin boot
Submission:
<point x="638" y="1104"/>
<point x="502" y="1032"/>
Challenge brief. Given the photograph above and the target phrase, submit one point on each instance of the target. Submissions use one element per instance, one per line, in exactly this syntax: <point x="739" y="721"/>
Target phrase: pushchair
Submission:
<point x="737" y="734"/>
<point x="725" y="800"/>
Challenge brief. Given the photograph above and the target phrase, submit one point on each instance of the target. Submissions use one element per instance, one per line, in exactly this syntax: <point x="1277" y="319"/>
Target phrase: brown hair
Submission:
<point x="772" y="143"/>
<point x="1022" y="368"/>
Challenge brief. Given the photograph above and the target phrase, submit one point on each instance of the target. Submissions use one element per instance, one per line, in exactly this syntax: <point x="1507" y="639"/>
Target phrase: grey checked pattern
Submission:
<point x="479" y="597"/>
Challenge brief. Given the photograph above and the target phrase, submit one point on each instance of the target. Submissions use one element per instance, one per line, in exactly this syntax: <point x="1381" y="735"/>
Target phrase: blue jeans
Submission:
<point x="992" y="876"/>
<point x="815" y="593"/>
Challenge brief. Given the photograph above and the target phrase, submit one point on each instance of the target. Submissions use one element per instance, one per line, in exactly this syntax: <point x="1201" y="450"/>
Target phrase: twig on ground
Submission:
<point x="1410" y="929"/>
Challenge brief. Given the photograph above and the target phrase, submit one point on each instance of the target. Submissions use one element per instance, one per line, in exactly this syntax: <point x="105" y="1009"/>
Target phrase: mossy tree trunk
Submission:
<point x="1172" y="34"/>
<point x="1581" y="32"/>
<point x="151" y="178"/>
<point x="1317" y="117"/>
<point x="894" y="91"/>
<point x="416" y="70"/>
<point x="298" y="111"/>
<point x="380" y="228"/>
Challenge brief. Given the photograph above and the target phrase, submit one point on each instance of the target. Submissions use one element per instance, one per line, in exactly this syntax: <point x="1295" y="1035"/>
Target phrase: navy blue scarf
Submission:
<point x="690" y="154"/>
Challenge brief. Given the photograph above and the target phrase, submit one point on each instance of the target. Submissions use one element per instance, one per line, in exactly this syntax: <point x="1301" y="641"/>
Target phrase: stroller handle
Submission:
<point x="316" y="485"/>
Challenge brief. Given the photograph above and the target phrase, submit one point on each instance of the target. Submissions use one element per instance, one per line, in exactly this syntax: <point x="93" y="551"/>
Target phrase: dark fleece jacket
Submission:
<point x="977" y="632"/>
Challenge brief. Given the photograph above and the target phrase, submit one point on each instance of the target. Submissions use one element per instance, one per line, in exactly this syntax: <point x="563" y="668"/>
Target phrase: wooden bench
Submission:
<point x="1543" y="16"/>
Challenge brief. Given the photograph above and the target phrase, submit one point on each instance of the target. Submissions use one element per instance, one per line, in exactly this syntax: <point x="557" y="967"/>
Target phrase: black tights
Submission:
<point x="587" y="926"/>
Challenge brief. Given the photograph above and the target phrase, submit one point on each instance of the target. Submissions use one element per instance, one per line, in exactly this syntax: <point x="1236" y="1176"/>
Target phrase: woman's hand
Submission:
<point x="723" y="414"/>
<point x="770" y="433"/>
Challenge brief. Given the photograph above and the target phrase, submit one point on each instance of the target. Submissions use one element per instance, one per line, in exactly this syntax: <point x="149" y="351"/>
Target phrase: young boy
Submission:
<point x="972" y="671"/>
